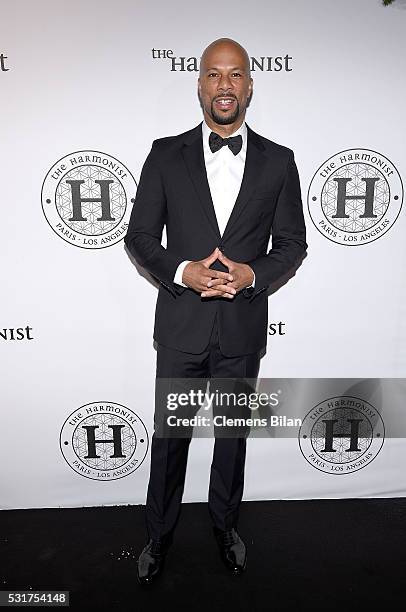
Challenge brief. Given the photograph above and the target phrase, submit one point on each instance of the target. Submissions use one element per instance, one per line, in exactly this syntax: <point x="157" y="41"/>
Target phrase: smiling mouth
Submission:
<point x="224" y="103"/>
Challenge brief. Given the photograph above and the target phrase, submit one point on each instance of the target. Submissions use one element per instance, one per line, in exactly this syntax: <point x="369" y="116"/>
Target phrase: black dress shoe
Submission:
<point x="232" y="549"/>
<point x="151" y="560"/>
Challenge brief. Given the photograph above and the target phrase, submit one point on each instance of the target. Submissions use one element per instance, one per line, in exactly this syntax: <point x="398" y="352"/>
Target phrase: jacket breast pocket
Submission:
<point x="262" y="202"/>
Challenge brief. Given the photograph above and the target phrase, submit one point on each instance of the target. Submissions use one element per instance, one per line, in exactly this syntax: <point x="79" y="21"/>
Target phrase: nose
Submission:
<point x="225" y="83"/>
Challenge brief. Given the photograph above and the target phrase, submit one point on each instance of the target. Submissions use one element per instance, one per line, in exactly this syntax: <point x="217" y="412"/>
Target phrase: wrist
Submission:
<point x="252" y="276"/>
<point x="184" y="271"/>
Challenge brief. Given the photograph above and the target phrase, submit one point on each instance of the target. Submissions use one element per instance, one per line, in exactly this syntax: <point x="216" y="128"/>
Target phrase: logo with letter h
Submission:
<point x="341" y="435"/>
<point x="355" y="197"/>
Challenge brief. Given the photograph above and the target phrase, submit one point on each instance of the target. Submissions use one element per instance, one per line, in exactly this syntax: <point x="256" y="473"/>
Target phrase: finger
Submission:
<point x="219" y="290"/>
<point x="224" y="259"/>
<point x="215" y="293"/>
<point x="215" y="281"/>
<point x="211" y="258"/>
<point x="234" y="285"/>
<point x="217" y="274"/>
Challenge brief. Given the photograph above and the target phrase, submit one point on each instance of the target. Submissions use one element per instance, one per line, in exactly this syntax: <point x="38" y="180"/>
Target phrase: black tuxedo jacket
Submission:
<point x="173" y="189"/>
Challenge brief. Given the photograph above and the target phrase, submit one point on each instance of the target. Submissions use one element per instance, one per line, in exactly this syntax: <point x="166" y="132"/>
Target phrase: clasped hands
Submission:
<point x="210" y="283"/>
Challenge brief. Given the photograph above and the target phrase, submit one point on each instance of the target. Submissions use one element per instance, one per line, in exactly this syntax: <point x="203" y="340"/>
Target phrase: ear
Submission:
<point x="250" y="86"/>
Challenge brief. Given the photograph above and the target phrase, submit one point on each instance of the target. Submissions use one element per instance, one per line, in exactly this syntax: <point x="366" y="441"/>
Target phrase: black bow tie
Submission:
<point x="234" y="143"/>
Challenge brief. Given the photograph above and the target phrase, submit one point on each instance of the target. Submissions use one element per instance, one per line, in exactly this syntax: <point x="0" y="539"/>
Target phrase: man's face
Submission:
<point x="224" y="84"/>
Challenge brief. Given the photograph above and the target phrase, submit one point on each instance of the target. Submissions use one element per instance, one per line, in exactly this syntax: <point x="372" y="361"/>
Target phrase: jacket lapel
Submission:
<point x="254" y="167"/>
<point x="193" y="155"/>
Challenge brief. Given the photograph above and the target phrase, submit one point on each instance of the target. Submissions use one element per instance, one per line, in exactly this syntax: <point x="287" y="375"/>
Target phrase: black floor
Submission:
<point x="317" y="554"/>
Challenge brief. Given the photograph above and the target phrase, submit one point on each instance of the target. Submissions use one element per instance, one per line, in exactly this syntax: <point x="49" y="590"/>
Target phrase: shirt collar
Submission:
<point x="241" y="130"/>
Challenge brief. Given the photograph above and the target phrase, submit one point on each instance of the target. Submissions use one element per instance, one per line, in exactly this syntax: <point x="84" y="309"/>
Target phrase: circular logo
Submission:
<point x="104" y="441"/>
<point x="355" y="197"/>
<point x="85" y="198"/>
<point x="341" y="435"/>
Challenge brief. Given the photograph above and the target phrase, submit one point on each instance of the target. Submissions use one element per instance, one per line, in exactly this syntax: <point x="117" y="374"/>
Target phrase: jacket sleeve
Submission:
<point x="288" y="234"/>
<point x="144" y="233"/>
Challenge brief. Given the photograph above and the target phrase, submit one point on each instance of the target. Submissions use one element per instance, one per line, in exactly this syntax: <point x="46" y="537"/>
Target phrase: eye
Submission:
<point x="212" y="73"/>
<point x="237" y="73"/>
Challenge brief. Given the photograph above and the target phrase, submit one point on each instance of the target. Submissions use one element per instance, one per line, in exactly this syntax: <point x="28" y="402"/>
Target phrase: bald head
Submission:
<point x="224" y="85"/>
<point x="224" y="47"/>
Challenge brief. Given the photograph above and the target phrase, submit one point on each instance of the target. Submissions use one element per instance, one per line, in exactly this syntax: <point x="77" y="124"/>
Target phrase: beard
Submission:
<point x="224" y="119"/>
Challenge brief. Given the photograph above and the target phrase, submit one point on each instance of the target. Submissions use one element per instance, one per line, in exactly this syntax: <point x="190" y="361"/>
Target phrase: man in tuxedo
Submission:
<point x="221" y="189"/>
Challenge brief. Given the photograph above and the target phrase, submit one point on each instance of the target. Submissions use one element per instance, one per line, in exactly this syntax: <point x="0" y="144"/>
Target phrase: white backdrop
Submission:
<point x="81" y="76"/>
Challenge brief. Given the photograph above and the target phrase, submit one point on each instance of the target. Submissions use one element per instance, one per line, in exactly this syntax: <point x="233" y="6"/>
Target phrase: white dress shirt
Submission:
<point x="224" y="174"/>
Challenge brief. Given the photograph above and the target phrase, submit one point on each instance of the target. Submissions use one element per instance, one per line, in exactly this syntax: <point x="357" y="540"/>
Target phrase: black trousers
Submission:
<point x="169" y="454"/>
